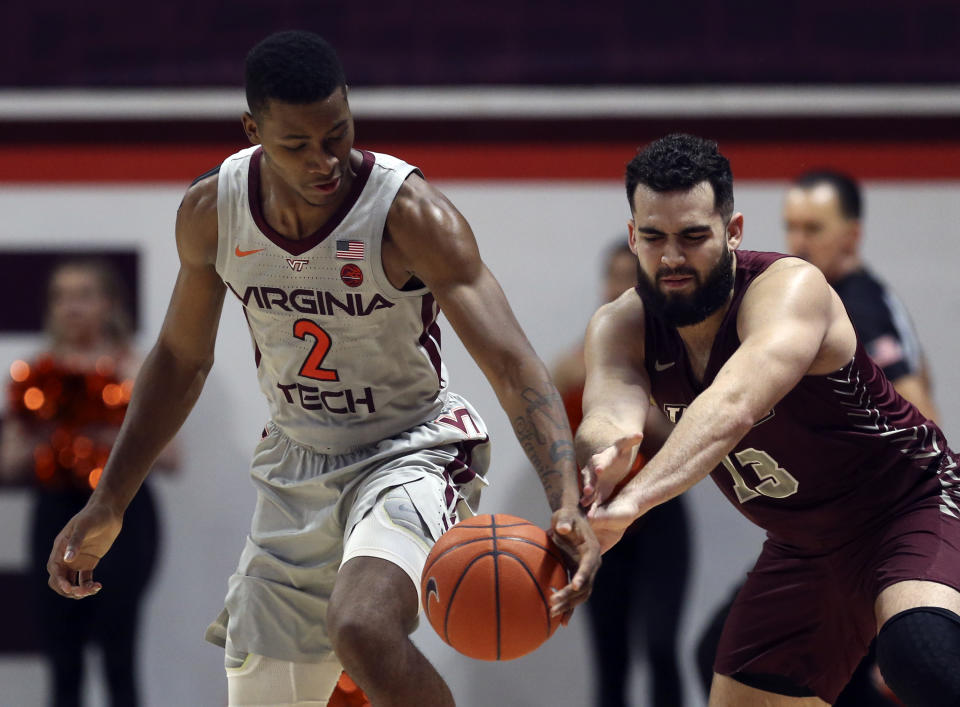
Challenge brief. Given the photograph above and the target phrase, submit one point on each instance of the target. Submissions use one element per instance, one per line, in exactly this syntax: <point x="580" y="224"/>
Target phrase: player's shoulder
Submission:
<point x="788" y="272"/>
<point x="616" y="334"/>
<point x="201" y="195"/>
<point x="419" y="202"/>
<point x="416" y="202"/>
<point x="625" y="314"/>
<point x="197" y="220"/>
<point x="788" y="288"/>
<point x="787" y="264"/>
<point x="429" y="229"/>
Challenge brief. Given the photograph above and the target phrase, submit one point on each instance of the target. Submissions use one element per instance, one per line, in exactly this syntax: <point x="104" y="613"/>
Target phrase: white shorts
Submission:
<point x="403" y="525"/>
<point x="391" y="500"/>
<point x="258" y="681"/>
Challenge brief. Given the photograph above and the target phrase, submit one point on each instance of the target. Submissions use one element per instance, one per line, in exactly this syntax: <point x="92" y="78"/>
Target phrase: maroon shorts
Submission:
<point x="808" y="616"/>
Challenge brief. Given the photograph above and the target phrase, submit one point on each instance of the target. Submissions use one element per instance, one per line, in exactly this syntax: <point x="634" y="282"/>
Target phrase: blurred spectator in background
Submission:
<point x="822" y="214"/>
<point x="65" y="408"/>
<point x="639" y="590"/>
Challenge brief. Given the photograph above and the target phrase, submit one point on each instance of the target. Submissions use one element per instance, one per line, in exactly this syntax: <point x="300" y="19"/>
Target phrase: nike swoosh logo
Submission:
<point x="433" y="589"/>
<point x="662" y="366"/>
<point x="245" y="253"/>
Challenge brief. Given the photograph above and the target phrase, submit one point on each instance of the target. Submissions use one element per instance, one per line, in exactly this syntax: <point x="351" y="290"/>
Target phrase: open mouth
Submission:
<point x="326" y="187"/>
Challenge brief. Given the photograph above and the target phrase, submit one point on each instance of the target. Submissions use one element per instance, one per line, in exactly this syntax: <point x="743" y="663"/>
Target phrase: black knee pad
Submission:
<point x="918" y="652"/>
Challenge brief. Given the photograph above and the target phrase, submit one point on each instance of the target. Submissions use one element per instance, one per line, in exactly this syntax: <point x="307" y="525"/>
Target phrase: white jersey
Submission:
<point x="344" y="358"/>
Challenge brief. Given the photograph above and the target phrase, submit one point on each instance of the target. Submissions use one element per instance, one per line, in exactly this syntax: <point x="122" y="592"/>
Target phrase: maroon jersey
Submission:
<point x="844" y="449"/>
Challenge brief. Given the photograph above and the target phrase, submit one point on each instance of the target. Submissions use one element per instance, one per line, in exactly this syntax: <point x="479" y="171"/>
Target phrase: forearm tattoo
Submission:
<point x="544" y="434"/>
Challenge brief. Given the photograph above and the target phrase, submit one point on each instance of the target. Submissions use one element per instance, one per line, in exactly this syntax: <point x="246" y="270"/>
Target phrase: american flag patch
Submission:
<point x="351" y="250"/>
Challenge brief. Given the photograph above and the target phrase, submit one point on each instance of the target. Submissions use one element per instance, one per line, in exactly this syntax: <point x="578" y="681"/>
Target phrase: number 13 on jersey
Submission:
<point x="775" y="482"/>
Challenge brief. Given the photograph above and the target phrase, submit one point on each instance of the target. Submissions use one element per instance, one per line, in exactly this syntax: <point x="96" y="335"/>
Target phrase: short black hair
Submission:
<point x="293" y="67"/>
<point x="846" y="188"/>
<point x="679" y="162"/>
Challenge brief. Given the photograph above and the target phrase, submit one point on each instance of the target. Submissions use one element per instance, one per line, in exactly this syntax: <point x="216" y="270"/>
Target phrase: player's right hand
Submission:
<point x="605" y="469"/>
<point x="610" y="521"/>
<point x="79" y="547"/>
<point x="572" y="533"/>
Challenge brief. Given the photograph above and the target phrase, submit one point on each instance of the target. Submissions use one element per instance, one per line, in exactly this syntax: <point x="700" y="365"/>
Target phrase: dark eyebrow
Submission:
<point x="694" y="229"/>
<point x="686" y="231"/>
<point x="295" y="136"/>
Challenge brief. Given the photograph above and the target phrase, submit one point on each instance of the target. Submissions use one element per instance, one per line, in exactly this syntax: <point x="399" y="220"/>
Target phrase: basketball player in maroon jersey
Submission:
<point x="759" y="381"/>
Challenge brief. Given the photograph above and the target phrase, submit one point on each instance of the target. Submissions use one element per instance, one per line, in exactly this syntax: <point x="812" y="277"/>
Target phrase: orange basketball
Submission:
<point x="487" y="583"/>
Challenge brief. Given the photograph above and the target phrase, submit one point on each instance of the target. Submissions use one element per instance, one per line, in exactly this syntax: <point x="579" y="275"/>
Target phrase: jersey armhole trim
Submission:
<point x="208" y="173"/>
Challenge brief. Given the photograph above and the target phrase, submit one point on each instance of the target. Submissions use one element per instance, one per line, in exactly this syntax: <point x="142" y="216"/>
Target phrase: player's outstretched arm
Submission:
<point x="790" y="324"/>
<point x="437" y="246"/>
<point x="166" y="389"/>
<point x="615" y="397"/>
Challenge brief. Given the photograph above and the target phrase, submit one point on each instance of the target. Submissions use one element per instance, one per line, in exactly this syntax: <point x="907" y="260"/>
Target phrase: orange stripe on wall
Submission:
<point x="566" y="161"/>
<point x="750" y="160"/>
<point x="109" y="163"/>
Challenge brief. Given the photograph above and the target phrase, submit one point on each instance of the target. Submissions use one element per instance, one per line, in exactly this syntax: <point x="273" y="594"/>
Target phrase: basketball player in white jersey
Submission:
<point x="341" y="259"/>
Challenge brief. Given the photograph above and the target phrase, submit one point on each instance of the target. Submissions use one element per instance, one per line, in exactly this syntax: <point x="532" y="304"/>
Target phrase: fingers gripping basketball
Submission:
<point x="487" y="583"/>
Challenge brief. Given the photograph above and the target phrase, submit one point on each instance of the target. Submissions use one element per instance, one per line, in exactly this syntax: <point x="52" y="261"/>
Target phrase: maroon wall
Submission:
<point x="194" y="43"/>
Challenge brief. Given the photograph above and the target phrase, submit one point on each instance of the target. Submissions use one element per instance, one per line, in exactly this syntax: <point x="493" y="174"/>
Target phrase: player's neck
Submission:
<point x="289" y="213"/>
<point x="702" y="333"/>
<point x="698" y="338"/>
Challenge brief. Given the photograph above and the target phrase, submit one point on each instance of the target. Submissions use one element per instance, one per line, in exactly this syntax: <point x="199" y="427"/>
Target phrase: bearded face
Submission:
<point x="680" y="309"/>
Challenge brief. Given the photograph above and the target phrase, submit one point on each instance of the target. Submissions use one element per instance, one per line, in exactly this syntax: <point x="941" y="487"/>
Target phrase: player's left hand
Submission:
<point x="571" y="532"/>
<point x="611" y="520"/>
<point x="79" y="547"/>
<point x="607" y="468"/>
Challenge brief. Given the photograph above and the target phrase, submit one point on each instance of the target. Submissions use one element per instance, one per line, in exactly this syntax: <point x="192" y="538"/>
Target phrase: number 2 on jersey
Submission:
<point x="303" y="328"/>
